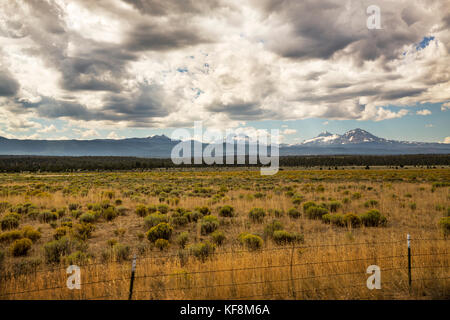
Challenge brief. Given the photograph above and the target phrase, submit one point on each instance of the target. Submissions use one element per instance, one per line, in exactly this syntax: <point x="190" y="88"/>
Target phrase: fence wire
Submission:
<point x="291" y="280"/>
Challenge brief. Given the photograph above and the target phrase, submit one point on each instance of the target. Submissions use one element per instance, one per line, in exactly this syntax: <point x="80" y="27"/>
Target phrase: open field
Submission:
<point x="227" y="234"/>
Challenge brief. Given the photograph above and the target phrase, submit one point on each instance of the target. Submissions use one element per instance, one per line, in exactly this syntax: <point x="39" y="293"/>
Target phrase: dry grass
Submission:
<point x="331" y="264"/>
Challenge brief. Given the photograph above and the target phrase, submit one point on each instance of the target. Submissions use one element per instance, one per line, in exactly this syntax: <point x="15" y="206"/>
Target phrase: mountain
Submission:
<point x="356" y="141"/>
<point x="359" y="141"/>
<point x="354" y="136"/>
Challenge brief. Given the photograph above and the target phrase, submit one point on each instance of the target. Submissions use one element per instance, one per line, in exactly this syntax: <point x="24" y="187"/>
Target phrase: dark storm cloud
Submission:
<point x="398" y="94"/>
<point x="52" y="108"/>
<point x="166" y="7"/>
<point x="315" y="31"/>
<point x="320" y="29"/>
<point x="148" y="102"/>
<point x="149" y="36"/>
<point x="136" y="107"/>
<point x="240" y="110"/>
<point x="8" y="85"/>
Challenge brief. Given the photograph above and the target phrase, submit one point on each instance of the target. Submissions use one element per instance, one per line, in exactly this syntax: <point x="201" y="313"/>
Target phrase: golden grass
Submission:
<point x="331" y="264"/>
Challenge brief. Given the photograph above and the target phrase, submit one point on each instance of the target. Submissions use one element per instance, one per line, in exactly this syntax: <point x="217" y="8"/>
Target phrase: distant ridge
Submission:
<point x="352" y="142"/>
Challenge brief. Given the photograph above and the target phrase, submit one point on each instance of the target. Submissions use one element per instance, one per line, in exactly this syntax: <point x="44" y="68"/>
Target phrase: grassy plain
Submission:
<point x="100" y="220"/>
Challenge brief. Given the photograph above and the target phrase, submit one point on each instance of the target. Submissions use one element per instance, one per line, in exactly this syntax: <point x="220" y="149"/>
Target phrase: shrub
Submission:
<point x="183" y="239"/>
<point x="76" y="213"/>
<point x="74" y="206"/>
<point x="20" y="247"/>
<point x="10" y="236"/>
<point x="413" y="206"/>
<point x="61" y="232"/>
<point x="308" y="204"/>
<point x="83" y="231"/>
<point x="4" y="205"/>
<point x="209" y="224"/>
<point x="283" y="237"/>
<point x="78" y="258"/>
<point x="294" y="213"/>
<point x="271" y="228"/>
<point x="163" y="208"/>
<point x="162" y="244"/>
<point x="118" y="202"/>
<point x="370" y="203"/>
<point x="10" y="221"/>
<point x="180" y="217"/>
<point x="337" y="220"/>
<point x="257" y="215"/>
<point x="298" y="199"/>
<point x="47" y="216"/>
<point x="444" y="223"/>
<point x="154" y="219"/>
<point x="218" y="237"/>
<point x="88" y="217"/>
<point x="31" y="233"/>
<point x="203" y="210"/>
<point x="314" y="212"/>
<point x="121" y="252"/>
<point x="251" y="241"/>
<point x="352" y="220"/>
<point x="334" y="206"/>
<point x="356" y="195"/>
<point x="195" y="216"/>
<point x="202" y="250"/>
<point x="141" y="210"/>
<point x="373" y="218"/>
<point x="2" y="259"/>
<point x="109" y="214"/>
<point x="326" y="218"/>
<point x="160" y="231"/>
<point x="226" y="211"/>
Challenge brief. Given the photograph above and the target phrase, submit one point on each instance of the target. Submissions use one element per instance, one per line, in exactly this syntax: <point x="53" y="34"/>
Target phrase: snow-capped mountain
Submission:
<point x="350" y="137"/>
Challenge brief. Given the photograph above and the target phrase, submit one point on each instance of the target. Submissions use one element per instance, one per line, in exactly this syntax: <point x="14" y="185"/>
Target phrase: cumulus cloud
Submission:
<point x="289" y="131"/>
<point x="113" y="135"/>
<point x="154" y="63"/>
<point x="423" y="112"/>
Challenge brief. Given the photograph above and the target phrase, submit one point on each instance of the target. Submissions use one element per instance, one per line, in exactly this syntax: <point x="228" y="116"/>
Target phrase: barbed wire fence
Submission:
<point x="404" y="264"/>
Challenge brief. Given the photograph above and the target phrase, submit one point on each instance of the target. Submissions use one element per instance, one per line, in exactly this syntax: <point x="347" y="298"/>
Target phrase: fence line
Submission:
<point x="47" y="270"/>
<point x="292" y="279"/>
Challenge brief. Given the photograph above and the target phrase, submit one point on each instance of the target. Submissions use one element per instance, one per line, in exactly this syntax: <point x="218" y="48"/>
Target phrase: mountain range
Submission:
<point x="356" y="141"/>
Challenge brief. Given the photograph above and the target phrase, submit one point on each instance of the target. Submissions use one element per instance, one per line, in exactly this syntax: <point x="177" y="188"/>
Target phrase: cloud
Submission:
<point x="447" y="140"/>
<point x="48" y="129"/>
<point x="445" y="106"/>
<point x="113" y="135"/>
<point x="424" y="112"/>
<point x="289" y="131"/>
<point x="429" y="125"/>
<point x="8" y="85"/>
<point x="118" y="62"/>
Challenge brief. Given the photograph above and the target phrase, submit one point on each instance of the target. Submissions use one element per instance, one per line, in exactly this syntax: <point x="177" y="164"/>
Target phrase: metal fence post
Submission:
<point x="133" y="270"/>
<point x="408" y="237"/>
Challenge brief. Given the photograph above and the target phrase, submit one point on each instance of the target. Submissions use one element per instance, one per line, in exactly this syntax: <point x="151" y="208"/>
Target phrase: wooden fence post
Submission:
<point x="133" y="270"/>
<point x="408" y="237"/>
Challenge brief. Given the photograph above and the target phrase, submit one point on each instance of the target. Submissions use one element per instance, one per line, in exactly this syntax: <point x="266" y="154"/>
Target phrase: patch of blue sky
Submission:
<point x="424" y="43"/>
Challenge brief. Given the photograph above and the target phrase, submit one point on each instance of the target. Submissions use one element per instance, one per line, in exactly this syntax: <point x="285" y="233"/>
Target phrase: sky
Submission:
<point x="135" y="68"/>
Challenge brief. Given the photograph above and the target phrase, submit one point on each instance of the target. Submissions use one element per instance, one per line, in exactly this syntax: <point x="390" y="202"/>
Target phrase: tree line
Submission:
<point x="67" y="164"/>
